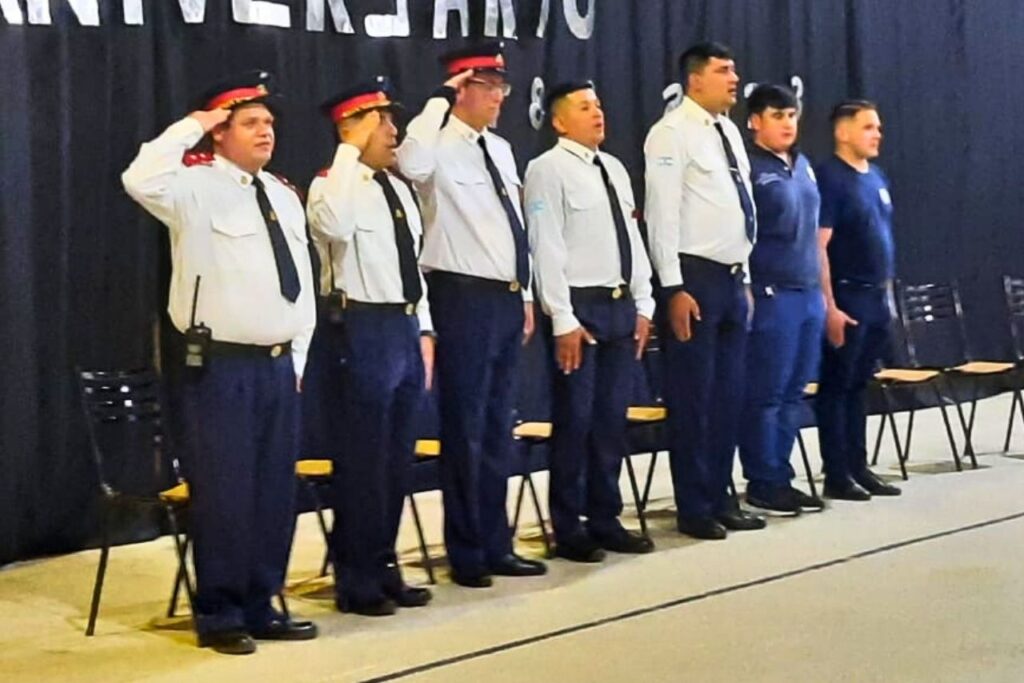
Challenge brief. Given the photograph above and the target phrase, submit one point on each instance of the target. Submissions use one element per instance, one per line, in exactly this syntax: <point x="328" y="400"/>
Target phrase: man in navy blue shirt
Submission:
<point x="858" y="266"/>
<point x="784" y="345"/>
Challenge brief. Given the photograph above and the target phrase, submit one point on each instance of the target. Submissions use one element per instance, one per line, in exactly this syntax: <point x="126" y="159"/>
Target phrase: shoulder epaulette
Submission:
<point x="197" y="159"/>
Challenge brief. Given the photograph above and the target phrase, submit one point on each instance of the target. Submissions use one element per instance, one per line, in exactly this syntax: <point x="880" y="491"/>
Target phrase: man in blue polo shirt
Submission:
<point x="784" y="345"/>
<point x="858" y="266"/>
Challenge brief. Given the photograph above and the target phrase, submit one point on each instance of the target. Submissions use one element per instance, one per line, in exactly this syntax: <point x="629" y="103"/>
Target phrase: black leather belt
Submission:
<point x="406" y="308"/>
<point x="462" y="280"/>
<point x="599" y="294"/>
<point x="691" y="264"/>
<point x="228" y="349"/>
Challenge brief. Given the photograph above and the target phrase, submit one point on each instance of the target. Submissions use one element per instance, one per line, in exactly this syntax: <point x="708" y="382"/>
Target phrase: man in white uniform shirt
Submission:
<point x="701" y="223"/>
<point x="594" y="281"/>
<point x="241" y="230"/>
<point x="384" y="355"/>
<point x="476" y="257"/>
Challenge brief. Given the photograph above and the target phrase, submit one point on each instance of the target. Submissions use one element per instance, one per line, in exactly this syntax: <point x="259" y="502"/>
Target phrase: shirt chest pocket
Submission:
<point x="238" y="245"/>
<point x="582" y="202"/>
<point x="469" y="177"/>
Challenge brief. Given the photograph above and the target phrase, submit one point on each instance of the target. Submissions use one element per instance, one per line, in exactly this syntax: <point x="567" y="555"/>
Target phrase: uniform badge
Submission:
<point x="883" y="194"/>
<point x="810" y="174"/>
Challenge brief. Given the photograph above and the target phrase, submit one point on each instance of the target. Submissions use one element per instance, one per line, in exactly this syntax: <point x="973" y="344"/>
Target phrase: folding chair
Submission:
<point x="124" y="421"/>
<point x="933" y="320"/>
<point x="1013" y="289"/>
<point x="315" y="475"/>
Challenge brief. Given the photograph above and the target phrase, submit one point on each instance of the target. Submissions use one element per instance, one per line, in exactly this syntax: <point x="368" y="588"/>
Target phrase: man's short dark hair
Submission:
<point x="847" y="109"/>
<point x="771" y="96"/>
<point x="696" y="57"/>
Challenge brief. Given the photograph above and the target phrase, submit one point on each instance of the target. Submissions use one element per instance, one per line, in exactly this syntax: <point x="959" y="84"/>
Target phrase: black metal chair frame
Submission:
<point x="129" y="396"/>
<point x="1013" y="289"/>
<point x="924" y="304"/>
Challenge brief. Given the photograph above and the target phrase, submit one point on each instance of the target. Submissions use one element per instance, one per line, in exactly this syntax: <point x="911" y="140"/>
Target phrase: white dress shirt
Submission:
<point x="218" y="232"/>
<point x="572" y="231"/>
<point x="692" y="205"/>
<point x="465" y="227"/>
<point x="347" y="210"/>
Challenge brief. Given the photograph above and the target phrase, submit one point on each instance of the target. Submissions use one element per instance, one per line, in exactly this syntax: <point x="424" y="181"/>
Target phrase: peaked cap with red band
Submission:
<point x="359" y="98"/>
<point x="251" y="87"/>
<point x="482" y="57"/>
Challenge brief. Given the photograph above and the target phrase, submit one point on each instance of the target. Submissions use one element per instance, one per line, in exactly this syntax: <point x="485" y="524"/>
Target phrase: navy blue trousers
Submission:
<point x="704" y="389"/>
<point x="241" y="436"/>
<point x="845" y="372"/>
<point x="589" y="417"/>
<point x="479" y="328"/>
<point x="783" y="353"/>
<point x="380" y="376"/>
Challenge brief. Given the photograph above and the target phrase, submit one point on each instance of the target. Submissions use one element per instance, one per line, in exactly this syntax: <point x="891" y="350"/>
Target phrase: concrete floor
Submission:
<point x="926" y="587"/>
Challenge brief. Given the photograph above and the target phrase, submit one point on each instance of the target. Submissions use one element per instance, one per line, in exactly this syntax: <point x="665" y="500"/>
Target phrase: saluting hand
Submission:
<point x="682" y="311"/>
<point x="569" y="349"/>
<point x="362" y="130"/>
<point x="835" y="326"/>
<point x="641" y="335"/>
<point x="211" y="119"/>
<point x="459" y="80"/>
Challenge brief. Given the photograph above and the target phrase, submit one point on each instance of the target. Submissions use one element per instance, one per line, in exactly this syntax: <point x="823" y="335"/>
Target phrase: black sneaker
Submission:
<point x="778" y="501"/>
<point x="807" y="503"/>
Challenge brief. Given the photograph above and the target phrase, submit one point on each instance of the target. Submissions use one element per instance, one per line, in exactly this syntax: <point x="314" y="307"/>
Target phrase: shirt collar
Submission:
<point x="758" y="150"/>
<point x="464" y="129"/>
<point x="693" y="111"/>
<point x="243" y="178"/>
<point x="582" y="151"/>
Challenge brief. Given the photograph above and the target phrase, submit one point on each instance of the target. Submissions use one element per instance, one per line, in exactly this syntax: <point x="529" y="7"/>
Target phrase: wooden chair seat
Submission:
<point x="532" y="430"/>
<point x="640" y="414"/>
<point x="314" y="469"/>
<point x="984" y="368"/>
<point x="428" y="448"/>
<point x="178" y="495"/>
<point x="905" y="375"/>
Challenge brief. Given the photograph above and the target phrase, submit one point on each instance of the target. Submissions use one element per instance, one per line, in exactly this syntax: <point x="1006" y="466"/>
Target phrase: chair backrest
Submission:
<point x="1013" y="287"/>
<point x="933" y="322"/>
<point x="124" y="419"/>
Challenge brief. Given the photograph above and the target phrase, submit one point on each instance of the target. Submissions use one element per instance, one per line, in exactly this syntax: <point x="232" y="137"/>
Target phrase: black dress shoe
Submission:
<point x="383" y="607"/>
<point x="513" y="565"/>
<point x="623" y="541"/>
<point x="286" y="629"/>
<point x="740" y="520"/>
<point x="806" y="502"/>
<point x="870" y="482"/>
<point x="473" y="580"/>
<point x="579" y="548"/>
<point x="705" y="528"/>
<point x="777" y="501"/>
<point x="228" y="642"/>
<point x="409" y="596"/>
<point x="847" y="491"/>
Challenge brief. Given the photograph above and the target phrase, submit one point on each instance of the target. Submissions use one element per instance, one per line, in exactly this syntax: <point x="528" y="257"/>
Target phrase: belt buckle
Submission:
<point x="513" y="286"/>
<point x="736" y="269"/>
<point x="410" y="309"/>
<point x="617" y="293"/>
<point x="275" y="350"/>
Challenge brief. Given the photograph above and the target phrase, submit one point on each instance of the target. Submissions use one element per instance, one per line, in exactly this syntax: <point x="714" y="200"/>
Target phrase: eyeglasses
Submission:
<point x="504" y="88"/>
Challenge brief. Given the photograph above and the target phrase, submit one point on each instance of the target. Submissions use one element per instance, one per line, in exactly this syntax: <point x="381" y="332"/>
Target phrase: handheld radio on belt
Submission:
<point x="197" y="337"/>
<point x="335" y="298"/>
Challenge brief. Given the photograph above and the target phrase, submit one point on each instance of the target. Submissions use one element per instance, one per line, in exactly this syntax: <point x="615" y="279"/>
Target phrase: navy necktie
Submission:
<point x="741" y="188"/>
<point x="412" y="290"/>
<point x="287" y="275"/>
<point x="621" y="236"/>
<point x="518" y="234"/>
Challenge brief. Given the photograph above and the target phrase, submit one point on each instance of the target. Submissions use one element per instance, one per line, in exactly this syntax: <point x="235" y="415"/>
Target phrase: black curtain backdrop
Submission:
<point x="83" y="270"/>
